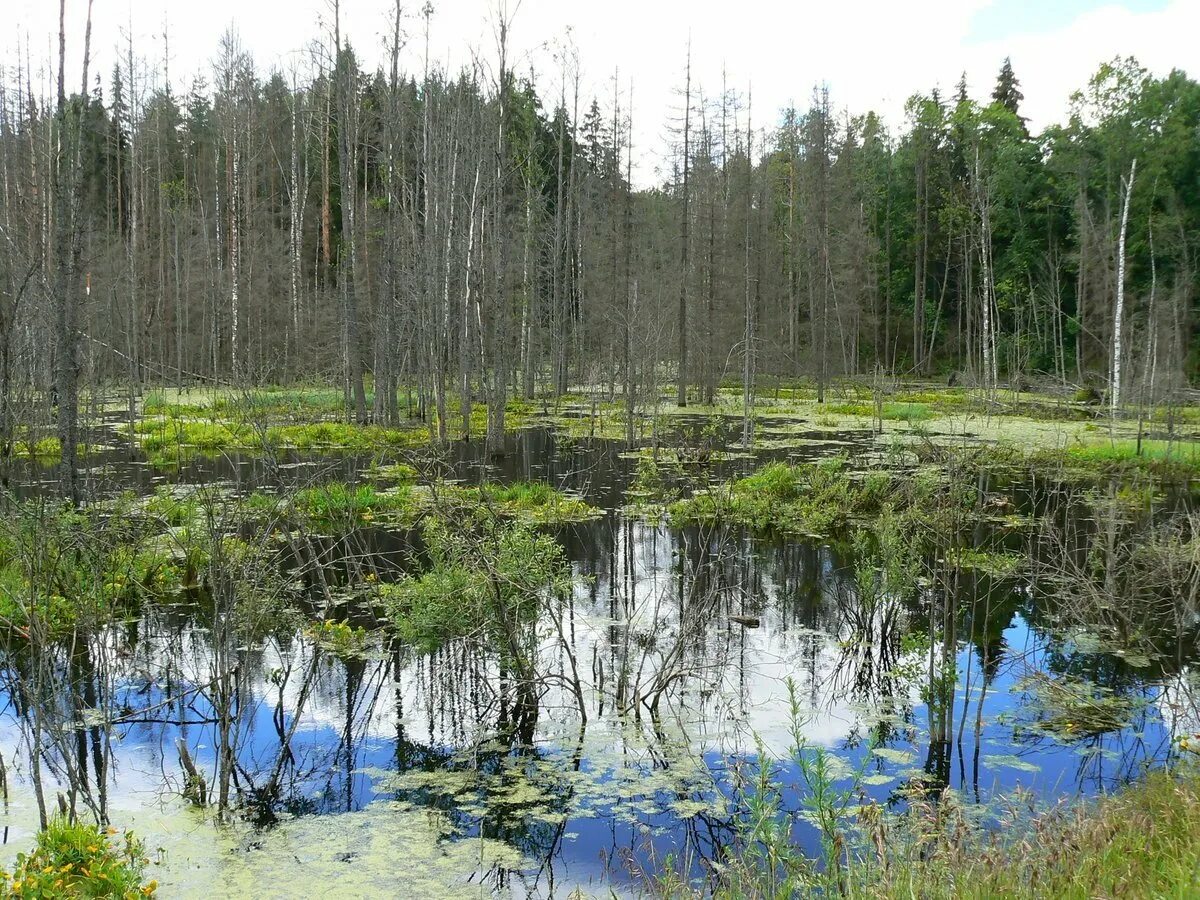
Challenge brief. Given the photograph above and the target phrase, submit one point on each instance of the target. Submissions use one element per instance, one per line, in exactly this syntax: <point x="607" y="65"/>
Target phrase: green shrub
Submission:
<point x="487" y="579"/>
<point x="75" y="859"/>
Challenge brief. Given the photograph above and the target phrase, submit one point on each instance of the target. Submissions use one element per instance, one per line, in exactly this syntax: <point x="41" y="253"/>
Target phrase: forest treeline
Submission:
<point x="475" y="234"/>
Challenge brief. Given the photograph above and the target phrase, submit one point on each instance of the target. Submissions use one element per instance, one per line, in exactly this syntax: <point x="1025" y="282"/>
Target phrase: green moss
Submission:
<point x="904" y="412"/>
<point x="166" y="441"/>
<point x="172" y="432"/>
<point x="1174" y="459"/>
<point x="47" y="451"/>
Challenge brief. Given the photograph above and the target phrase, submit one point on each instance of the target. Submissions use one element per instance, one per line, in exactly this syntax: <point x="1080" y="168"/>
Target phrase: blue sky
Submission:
<point x="1011" y="18"/>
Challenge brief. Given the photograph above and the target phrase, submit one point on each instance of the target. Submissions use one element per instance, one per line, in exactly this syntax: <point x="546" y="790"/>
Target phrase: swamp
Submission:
<point x="434" y="464"/>
<point x="582" y="665"/>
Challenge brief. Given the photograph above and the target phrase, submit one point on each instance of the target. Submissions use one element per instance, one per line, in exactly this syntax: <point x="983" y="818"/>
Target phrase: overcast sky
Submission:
<point x="872" y="54"/>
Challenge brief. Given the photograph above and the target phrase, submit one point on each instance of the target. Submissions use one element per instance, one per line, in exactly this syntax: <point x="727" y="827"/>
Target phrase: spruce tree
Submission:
<point x="1008" y="91"/>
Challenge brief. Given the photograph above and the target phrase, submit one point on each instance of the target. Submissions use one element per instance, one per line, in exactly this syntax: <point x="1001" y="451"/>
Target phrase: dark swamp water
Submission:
<point x="407" y="774"/>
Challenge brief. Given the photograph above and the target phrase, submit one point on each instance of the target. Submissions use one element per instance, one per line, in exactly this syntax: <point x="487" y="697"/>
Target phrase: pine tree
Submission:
<point x="1008" y="91"/>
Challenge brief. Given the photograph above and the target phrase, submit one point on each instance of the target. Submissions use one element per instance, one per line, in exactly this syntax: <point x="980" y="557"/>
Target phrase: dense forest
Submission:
<point x="476" y="235"/>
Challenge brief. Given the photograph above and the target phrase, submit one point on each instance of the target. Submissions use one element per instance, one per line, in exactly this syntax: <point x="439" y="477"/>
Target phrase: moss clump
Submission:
<point x="343" y="437"/>
<point x="257" y="423"/>
<point x="170" y="440"/>
<point x="75" y="860"/>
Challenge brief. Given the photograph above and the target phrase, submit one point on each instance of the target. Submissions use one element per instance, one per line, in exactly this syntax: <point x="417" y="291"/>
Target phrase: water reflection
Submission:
<point x="670" y="657"/>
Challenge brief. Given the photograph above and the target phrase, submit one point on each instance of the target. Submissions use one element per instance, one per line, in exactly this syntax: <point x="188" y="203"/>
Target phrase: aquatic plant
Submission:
<point x="816" y="499"/>
<point x="763" y="860"/>
<point x="62" y="568"/>
<point x="340" y="638"/>
<point x="529" y="501"/>
<point x="1071" y="708"/>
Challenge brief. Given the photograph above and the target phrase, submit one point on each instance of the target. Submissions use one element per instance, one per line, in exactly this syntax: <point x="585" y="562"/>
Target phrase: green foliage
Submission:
<point x="486" y="579"/>
<point x="62" y="569"/>
<point x="78" y="860"/>
<point x="762" y="860"/>
<point x="340" y="638"/>
<point x="337" y="504"/>
<point x="995" y="563"/>
<point x="1173" y="460"/>
<point x="887" y="564"/>
<point x="904" y="412"/>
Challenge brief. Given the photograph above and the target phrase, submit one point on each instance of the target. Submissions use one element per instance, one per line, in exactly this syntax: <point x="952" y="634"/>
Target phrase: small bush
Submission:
<point x="76" y="859"/>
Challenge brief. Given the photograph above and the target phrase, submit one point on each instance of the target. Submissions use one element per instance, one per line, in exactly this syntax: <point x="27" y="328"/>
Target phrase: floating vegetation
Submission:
<point x="340" y="638"/>
<point x="996" y="563"/>
<point x="531" y="790"/>
<point x="1070" y="708"/>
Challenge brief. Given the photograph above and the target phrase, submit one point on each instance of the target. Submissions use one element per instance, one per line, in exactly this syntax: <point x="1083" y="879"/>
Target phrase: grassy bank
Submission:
<point x="1141" y="842"/>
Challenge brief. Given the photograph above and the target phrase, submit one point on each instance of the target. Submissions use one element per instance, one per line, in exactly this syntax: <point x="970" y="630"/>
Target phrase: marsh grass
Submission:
<point x="338" y="506"/>
<point x="1141" y="842"/>
<point x="896" y="411"/>
<point x="816" y="499"/>
<point x="533" y="502"/>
